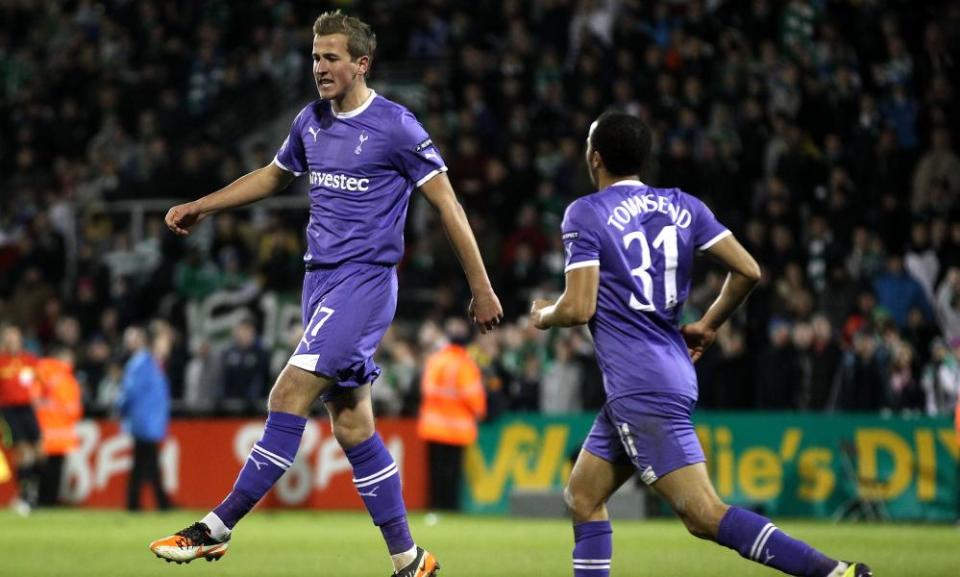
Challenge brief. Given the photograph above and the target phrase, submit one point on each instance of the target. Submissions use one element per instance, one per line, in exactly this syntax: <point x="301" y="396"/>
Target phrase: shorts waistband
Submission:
<point x="313" y="266"/>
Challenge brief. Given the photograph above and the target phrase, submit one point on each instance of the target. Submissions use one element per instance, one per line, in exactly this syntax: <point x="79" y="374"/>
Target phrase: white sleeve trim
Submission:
<point x="433" y="173"/>
<point x="581" y="264"/>
<point x="714" y="240"/>
<point x="276" y="161"/>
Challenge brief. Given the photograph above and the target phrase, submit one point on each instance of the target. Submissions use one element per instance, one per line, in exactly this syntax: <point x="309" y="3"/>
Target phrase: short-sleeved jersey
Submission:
<point x="363" y="165"/>
<point x="643" y="240"/>
<point x="18" y="380"/>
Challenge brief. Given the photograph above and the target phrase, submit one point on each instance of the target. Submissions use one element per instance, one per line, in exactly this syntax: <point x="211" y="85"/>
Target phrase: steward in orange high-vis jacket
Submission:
<point x="453" y="400"/>
<point x="58" y="409"/>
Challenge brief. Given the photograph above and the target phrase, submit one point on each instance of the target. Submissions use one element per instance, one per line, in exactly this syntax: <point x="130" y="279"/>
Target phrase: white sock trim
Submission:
<point x="374" y="479"/>
<point x="763" y="543"/>
<point x="839" y="570"/>
<point x="401" y="560"/>
<point x="218" y="530"/>
<point x="388" y="468"/>
<point x="754" y="551"/>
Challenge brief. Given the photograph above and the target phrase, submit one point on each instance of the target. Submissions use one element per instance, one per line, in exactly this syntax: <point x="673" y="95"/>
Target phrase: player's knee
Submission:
<point x="283" y="398"/>
<point x="581" y="506"/>
<point x="350" y="433"/>
<point x="293" y="393"/>
<point x="696" y="526"/>
<point x="703" y="520"/>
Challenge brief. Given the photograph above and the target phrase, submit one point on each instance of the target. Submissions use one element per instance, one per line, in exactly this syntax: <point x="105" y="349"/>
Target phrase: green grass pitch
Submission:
<point x="73" y="543"/>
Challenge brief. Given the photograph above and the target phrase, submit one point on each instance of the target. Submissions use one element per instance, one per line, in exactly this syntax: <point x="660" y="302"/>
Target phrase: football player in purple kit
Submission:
<point x="629" y="254"/>
<point x="364" y="155"/>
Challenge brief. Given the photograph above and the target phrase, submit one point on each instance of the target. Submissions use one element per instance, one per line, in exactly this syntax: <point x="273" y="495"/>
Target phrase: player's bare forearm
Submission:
<point x="440" y="194"/>
<point x="576" y="306"/>
<point x="558" y="314"/>
<point x="735" y="291"/>
<point x="484" y="309"/>
<point x="744" y="274"/>
<point x="248" y="188"/>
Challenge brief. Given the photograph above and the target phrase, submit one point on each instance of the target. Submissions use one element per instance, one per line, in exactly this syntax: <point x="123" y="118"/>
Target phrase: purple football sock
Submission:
<point x="377" y="479"/>
<point x="270" y="457"/>
<point x="592" y="549"/>
<point x="757" y="539"/>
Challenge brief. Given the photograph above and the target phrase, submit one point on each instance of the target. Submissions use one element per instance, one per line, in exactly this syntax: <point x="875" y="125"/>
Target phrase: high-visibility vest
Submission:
<point x="453" y="398"/>
<point x="59" y="407"/>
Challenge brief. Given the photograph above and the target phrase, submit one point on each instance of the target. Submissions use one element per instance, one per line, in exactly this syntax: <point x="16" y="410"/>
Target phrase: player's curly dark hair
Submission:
<point x="623" y="142"/>
<point x="361" y="41"/>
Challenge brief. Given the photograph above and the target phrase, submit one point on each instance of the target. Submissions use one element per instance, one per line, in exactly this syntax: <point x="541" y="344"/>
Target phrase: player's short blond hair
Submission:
<point x="361" y="41"/>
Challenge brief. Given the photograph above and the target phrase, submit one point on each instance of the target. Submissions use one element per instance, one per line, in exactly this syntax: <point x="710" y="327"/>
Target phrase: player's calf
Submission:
<point x="758" y="539"/>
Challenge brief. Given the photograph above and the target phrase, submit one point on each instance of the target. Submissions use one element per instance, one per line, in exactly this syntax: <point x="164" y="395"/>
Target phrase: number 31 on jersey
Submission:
<point x="667" y="242"/>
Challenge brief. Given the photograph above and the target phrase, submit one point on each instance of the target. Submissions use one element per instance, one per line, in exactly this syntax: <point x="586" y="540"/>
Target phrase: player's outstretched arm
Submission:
<point x="250" y="187"/>
<point x="484" y="308"/>
<point x="575" y="306"/>
<point x="743" y="275"/>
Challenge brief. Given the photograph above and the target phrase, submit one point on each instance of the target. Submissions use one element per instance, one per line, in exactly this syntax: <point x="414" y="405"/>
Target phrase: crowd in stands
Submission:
<point x="819" y="131"/>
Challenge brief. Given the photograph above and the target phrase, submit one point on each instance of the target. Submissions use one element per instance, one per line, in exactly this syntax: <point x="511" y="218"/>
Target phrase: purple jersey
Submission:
<point x="363" y="165"/>
<point x="644" y="240"/>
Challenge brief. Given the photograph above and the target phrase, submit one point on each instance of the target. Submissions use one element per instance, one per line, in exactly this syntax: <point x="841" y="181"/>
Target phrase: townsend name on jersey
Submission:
<point x="636" y="205"/>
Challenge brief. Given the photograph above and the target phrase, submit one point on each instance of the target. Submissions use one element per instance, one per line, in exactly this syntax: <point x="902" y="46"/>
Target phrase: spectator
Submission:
<point x="941" y="378"/>
<point x="864" y="380"/>
<point x="202" y="378"/>
<point x="898" y="292"/>
<point x="936" y="181"/>
<point x="906" y="394"/>
<point x="778" y="372"/>
<point x="948" y="304"/>
<point x="144" y="407"/>
<point x="921" y="260"/>
<point x="825" y="360"/>
<point x="245" y="373"/>
<point x="560" y="389"/>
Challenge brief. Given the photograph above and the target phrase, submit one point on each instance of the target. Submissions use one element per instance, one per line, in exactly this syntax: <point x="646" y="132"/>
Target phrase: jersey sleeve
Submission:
<point x="581" y="243"/>
<point x="707" y="230"/>
<point x="414" y="153"/>
<point x="291" y="156"/>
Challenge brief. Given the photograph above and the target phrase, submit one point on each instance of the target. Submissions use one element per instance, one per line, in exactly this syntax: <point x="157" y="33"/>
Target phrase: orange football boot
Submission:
<point x="191" y="543"/>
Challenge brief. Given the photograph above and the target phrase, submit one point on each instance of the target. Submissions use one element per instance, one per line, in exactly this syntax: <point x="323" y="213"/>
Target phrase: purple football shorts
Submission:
<point x="654" y="433"/>
<point x="346" y="311"/>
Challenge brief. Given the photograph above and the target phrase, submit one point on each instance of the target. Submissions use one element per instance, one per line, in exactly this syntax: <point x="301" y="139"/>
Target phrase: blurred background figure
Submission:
<point x="18" y="393"/>
<point x="453" y="401"/>
<point x="59" y="409"/>
<point x="245" y="374"/>
<point x="144" y="407"/>
<point x="956" y="423"/>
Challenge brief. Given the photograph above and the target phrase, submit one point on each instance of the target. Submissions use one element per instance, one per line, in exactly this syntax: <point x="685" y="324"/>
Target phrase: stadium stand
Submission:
<point x="820" y="132"/>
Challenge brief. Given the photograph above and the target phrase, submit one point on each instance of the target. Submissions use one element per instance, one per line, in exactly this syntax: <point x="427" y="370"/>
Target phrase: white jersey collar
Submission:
<point x="628" y="182"/>
<point x="358" y="110"/>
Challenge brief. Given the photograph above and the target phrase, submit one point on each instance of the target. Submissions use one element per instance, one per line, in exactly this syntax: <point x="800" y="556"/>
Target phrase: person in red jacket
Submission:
<point x="18" y="392"/>
<point x="58" y="409"/>
<point x="452" y="401"/>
